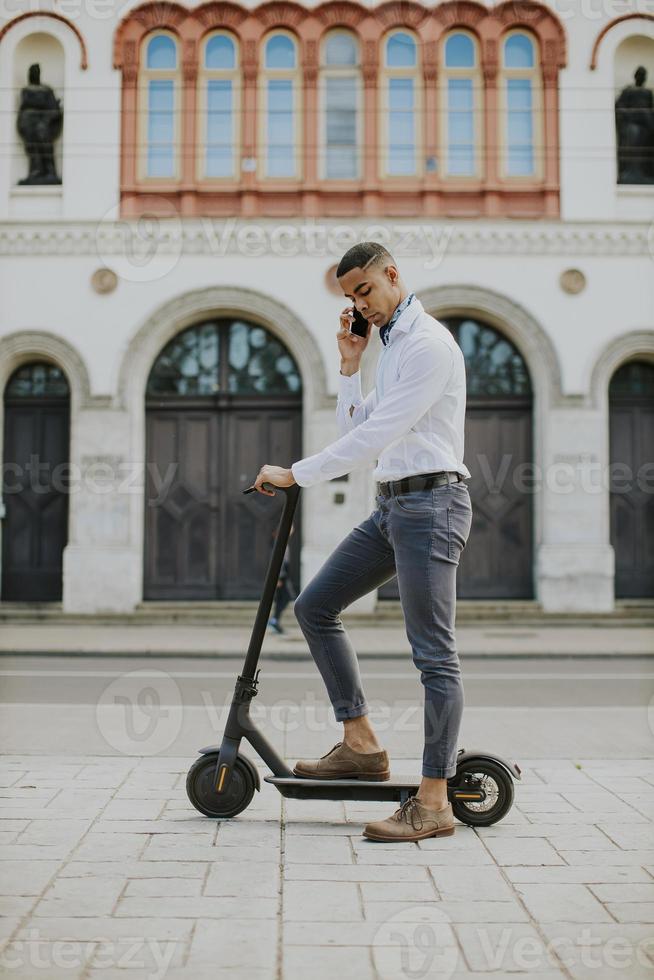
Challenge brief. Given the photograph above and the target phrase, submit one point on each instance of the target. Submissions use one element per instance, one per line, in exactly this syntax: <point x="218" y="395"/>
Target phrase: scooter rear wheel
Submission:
<point x="202" y="792"/>
<point x="496" y="783"/>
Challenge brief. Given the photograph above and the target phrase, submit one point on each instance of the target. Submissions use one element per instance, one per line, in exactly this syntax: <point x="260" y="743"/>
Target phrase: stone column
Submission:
<point x="102" y="563"/>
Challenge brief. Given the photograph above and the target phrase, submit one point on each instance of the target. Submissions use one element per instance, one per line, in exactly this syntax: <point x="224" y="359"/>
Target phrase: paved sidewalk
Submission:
<point x="608" y="639"/>
<point x="109" y="872"/>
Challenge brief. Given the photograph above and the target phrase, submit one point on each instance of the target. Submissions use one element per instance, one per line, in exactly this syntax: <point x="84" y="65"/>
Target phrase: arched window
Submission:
<point x="224" y="356"/>
<point x="219" y="100"/>
<point x="280" y="112"/>
<point x="520" y="107"/>
<point x="160" y="106"/>
<point x="401" y="137"/>
<point x="341" y="107"/>
<point x="462" y="110"/>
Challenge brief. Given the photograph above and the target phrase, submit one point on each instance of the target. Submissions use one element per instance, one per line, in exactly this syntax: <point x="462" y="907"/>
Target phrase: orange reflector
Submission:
<point x="221" y="780"/>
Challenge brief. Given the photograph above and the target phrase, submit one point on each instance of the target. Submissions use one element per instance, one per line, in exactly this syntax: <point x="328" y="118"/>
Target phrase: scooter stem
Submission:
<point x="270" y="581"/>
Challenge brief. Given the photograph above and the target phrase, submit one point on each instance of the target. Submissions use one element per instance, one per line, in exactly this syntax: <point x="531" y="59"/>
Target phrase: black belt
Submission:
<point x="421" y="481"/>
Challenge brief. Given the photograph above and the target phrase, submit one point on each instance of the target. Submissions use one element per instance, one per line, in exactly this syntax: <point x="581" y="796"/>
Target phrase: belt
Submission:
<point x="421" y="481"/>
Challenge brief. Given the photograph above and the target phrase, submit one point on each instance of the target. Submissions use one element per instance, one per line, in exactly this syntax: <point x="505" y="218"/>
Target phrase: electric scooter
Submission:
<point x="222" y="782"/>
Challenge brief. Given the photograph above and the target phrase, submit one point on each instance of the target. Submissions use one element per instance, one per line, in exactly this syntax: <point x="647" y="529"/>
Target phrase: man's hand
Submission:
<point x="350" y="345"/>
<point x="277" y="475"/>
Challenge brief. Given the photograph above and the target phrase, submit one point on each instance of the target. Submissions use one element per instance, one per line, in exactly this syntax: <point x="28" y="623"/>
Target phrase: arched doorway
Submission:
<point x="223" y="398"/>
<point x="498" y="560"/>
<point x="631" y="437"/>
<point x="36" y="483"/>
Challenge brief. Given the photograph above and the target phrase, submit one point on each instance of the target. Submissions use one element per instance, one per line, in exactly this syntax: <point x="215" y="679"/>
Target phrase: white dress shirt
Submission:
<point x="412" y="421"/>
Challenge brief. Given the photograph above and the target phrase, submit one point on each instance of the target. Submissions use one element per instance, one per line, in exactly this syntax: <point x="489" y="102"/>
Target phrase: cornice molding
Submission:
<point x="212" y="236"/>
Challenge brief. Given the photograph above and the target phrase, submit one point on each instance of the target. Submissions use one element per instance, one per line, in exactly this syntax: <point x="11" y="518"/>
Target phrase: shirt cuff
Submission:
<point x="349" y="386"/>
<point x="302" y="473"/>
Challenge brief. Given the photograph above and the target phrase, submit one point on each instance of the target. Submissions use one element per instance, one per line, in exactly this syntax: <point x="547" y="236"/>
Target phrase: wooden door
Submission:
<point x="497" y="562"/>
<point x="36" y="484"/>
<point x="498" y="558"/>
<point x="631" y="439"/>
<point x="211" y="431"/>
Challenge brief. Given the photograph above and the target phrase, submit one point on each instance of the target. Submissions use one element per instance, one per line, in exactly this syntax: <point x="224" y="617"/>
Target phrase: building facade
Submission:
<point x="169" y="305"/>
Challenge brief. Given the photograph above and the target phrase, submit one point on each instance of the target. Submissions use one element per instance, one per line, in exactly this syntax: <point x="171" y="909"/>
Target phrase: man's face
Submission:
<point x="375" y="291"/>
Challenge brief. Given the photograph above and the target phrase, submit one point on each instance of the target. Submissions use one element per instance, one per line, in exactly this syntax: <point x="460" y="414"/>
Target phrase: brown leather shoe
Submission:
<point x="342" y="762"/>
<point x="413" y="821"/>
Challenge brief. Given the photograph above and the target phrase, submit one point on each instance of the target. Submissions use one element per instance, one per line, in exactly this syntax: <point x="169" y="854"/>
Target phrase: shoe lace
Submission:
<point x="409" y="811"/>
<point x="333" y="749"/>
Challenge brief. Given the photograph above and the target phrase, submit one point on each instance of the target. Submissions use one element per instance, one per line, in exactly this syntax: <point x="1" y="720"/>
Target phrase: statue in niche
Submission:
<point x="40" y="120"/>
<point x="634" y="123"/>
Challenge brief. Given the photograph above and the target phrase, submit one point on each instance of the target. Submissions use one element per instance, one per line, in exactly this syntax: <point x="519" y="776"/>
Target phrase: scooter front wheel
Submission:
<point x="203" y="794"/>
<point x="497" y="785"/>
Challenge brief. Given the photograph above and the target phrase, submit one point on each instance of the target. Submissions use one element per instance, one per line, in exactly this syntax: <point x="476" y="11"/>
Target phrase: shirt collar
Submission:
<point x="402" y="318"/>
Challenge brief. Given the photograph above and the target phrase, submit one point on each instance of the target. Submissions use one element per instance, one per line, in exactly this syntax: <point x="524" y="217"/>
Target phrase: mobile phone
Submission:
<point x="359" y="325"/>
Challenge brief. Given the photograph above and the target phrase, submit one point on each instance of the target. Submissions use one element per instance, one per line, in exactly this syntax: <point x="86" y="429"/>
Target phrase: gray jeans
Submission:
<point x="419" y="536"/>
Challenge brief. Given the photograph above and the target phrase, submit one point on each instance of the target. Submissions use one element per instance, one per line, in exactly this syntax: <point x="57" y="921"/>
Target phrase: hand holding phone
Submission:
<point x="352" y="337"/>
<point x="359" y="325"/>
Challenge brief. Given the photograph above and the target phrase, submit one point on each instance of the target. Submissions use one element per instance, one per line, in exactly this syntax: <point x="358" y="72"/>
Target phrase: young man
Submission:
<point x="412" y="424"/>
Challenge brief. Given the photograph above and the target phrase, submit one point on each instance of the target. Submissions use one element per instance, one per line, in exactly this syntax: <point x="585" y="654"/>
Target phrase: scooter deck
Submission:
<point x="299" y="788"/>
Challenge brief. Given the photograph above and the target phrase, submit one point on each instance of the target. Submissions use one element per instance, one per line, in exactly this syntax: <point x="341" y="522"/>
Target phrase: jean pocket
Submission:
<point x="416" y="502"/>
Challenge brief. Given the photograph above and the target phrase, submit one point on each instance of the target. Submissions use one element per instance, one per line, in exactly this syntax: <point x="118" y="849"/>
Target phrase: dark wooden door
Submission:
<point x="203" y="538"/>
<point x="497" y="562"/>
<point x="498" y="558"/>
<point x="182" y="504"/>
<point x="36" y="484"/>
<point x="631" y="438"/>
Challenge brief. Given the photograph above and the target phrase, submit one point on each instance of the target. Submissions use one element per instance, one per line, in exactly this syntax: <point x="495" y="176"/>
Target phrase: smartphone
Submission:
<point x="359" y="324"/>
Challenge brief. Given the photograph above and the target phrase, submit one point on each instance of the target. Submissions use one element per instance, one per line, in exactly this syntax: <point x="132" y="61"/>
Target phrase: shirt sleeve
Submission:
<point x="423" y="377"/>
<point x="349" y="393"/>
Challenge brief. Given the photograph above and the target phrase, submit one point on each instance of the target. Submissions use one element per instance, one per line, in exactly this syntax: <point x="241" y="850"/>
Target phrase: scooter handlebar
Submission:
<point x="270" y="486"/>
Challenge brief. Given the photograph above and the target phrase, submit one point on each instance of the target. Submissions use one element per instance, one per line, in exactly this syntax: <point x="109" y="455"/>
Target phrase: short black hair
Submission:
<point x="361" y="255"/>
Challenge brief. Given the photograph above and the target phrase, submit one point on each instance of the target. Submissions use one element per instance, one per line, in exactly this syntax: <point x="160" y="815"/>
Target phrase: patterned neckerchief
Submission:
<point x="386" y="329"/>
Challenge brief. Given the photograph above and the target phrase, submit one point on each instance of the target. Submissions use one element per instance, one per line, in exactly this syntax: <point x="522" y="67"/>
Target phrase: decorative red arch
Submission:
<point x="84" y="63"/>
<point x="607" y="27"/>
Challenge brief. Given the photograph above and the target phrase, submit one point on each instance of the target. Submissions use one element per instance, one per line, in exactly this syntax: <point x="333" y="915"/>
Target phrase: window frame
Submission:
<point x="326" y="71"/>
<point x="205" y="75"/>
<point x="386" y="73"/>
<point x="534" y="74"/>
<point x="475" y="74"/>
<point x="145" y="76"/>
<point x="282" y="74"/>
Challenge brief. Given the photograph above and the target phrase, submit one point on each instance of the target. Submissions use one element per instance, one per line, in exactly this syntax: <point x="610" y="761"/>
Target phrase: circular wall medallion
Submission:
<point x="572" y="281"/>
<point x="332" y="282"/>
<point x="104" y="280"/>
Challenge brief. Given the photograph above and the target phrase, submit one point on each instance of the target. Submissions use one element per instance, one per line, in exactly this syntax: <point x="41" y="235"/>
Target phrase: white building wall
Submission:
<point x="53" y="239"/>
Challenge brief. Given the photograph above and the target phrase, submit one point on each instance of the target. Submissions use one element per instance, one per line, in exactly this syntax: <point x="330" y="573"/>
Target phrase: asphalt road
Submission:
<point x="528" y="709"/>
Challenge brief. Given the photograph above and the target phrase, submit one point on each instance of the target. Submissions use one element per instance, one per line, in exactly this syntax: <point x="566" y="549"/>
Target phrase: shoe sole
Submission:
<point x="371" y="777"/>
<point x="386" y="838"/>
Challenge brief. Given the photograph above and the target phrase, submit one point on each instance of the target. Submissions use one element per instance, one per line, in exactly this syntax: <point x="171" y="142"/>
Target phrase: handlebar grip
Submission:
<point x="266" y="486"/>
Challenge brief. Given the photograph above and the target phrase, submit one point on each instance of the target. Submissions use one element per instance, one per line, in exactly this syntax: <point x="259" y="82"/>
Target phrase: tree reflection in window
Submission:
<point x="188" y="365"/>
<point x="37" y="381"/>
<point x="494" y="366"/>
<point x="258" y="363"/>
<point x="224" y="356"/>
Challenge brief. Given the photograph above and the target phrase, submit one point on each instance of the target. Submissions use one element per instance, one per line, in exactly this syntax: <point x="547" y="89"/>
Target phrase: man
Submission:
<point x="412" y="424"/>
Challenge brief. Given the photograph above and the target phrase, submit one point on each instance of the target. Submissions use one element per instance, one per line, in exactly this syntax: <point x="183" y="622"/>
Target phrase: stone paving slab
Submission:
<point x="97" y="881"/>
